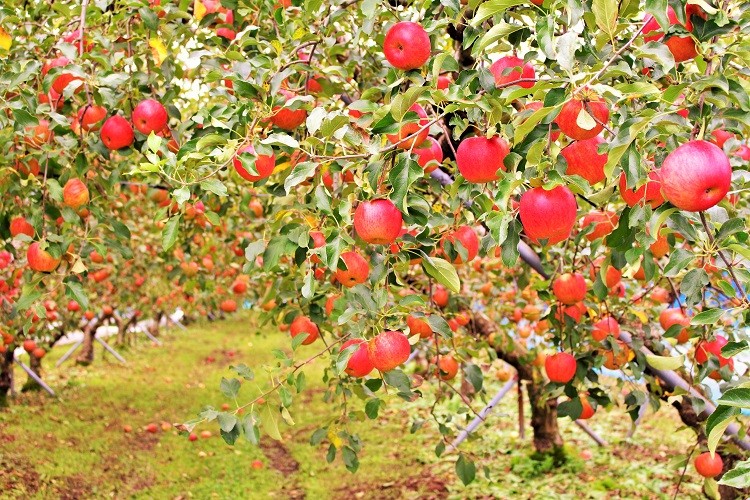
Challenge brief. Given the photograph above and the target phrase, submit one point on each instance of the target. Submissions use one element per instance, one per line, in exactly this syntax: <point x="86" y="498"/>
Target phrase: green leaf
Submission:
<point x="349" y="457"/>
<point x="169" y="235"/>
<point x="734" y="348"/>
<point x="214" y="186"/>
<point x="442" y="271"/>
<point x="665" y="362"/>
<point x="738" y="477"/>
<point x="605" y="14"/>
<point x="474" y="375"/>
<point x="231" y="436"/>
<point x="707" y="317"/>
<point x="270" y="425"/>
<point x="499" y="31"/>
<point x="229" y="387"/>
<point x="227" y="421"/>
<point x="372" y="407"/>
<point x="465" y="469"/>
<point x="717" y="423"/>
<point x="301" y="172"/>
<point x="405" y="173"/>
<point x="739" y="396"/>
<point x="121" y="230"/>
<point x="254" y="249"/>
<point x="493" y="8"/>
<point x="75" y="291"/>
<point x="252" y="433"/>
<point x="402" y="102"/>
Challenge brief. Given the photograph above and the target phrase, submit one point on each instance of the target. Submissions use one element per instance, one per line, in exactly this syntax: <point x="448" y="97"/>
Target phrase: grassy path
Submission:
<point x="75" y="447"/>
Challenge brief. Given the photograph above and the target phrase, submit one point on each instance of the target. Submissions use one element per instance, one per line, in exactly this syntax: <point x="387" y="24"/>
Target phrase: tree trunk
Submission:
<point x="6" y="376"/>
<point x="86" y="354"/>
<point x="155" y="326"/>
<point x="35" y="364"/>
<point x="547" y="438"/>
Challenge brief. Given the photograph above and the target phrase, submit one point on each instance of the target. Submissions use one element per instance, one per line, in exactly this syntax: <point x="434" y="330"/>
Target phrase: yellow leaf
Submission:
<point x="585" y="120"/>
<point x="158" y="50"/>
<point x="199" y="10"/>
<point x="333" y="436"/>
<point x="641" y="315"/>
<point x="5" y="40"/>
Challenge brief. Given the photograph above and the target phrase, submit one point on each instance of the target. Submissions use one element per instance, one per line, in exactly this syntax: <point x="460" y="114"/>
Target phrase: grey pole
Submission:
<point x="588" y="430"/>
<point x="112" y="351"/>
<point x="36" y="378"/>
<point x="482" y="415"/>
<point x="69" y="353"/>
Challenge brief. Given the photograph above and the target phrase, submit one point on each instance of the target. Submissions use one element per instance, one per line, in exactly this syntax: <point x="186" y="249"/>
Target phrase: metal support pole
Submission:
<point x="70" y="352"/>
<point x="112" y="351"/>
<point x="36" y="378"/>
<point x="482" y="415"/>
<point x="153" y="339"/>
<point x="588" y="430"/>
<point x="178" y="324"/>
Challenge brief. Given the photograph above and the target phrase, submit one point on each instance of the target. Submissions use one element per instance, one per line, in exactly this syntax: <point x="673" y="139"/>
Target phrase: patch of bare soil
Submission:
<point x="280" y="459"/>
<point x="18" y="477"/>
<point x="73" y="488"/>
<point x="424" y="486"/>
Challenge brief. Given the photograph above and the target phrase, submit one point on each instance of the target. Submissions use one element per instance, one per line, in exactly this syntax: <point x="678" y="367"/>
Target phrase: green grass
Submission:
<point x="75" y="446"/>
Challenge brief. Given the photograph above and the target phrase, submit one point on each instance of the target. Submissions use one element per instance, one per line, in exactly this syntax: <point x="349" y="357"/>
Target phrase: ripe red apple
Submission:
<point x="587" y="411"/>
<point x="509" y="69"/>
<point x="675" y="316"/>
<point x="38" y="353"/>
<point x="548" y="215"/>
<point x="479" y="159"/>
<point x="682" y="47"/>
<point x="443" y="82"/>
<point x="583" y="116"/>
<point x="149" y="116"/>
<point x="89" y="117"/>
<point x="75" y="194"/>
<point x="407" y="46"/>
<point x="39" y="134"/>
<point x="41" y="260"/>
<point x="708" y="465"/>
<point x="696" y="176"/>
<point x="604" y="223"/>
<point x="660" y="247"/>
<point x="704" y="348"/>
<point x="743" y="152"/>
<point x="468" y="239"/>
<point x="63" y="79"/>
<point x="431" y="156"/>
<point x="228" y="306"/>
<point x="152" y="428"/>
<point x="378" y="221"/>
<point x="263" y="164"/>
<point x="440" y="296"/>
<point x="193" y="437"/>
<point x="409" y="129"/>
<point x="359" y="364"/>
<point x="650" y="192"/>
<point x="447" y="367"/>
<point x="604" y="327"/>
<point x="569" y="288"/>
<point x="388" y="349"/>
<point x="419" y="326"/>
<point x="116" y="133"/>
<point x="583" y="159"/>
<point x="19" y="225"/>
<point x="285" y="118"/>
<point x="73" y="306"/>
<point x="560" y="367"/>
<point x="304" y="325"/>
<point x="720" y="136"/>
<point x="29" y="346"/>
<point x="356" y="272"/>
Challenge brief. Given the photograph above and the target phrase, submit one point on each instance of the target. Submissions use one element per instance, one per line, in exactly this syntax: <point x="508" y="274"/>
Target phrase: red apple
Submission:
<point x="116" y="133"/>
<point x="378" y="222"/>
<point x="443" y="82"/>
<point x="388" y="349"/>
<point x="440" y="296"/>
<point x="447" y="367"/>
<point x="650" y="192"/>
<point x="39" y="134"/>
<point x="407" y="45"/>
<point x="304" y="325"/>
<point x="560" y="367"/>
<point x="604" y="223"/>
<point x="682" y="47"/>
<point x="704" y="348"/>
<point x="479" y="159"/>
<point x="548" y="215"/>
<point x="228" y="306"/>
<point x="587" y="411"/>
<point x="89" y="117"/>
<point x="41" y="260"/>
<point x="509" y="69"/>
<point x="605" y="327"/>
<point x="29" y="346"/>
<point x="285" y="118"/>
<point x="583" y="116"/>
<point x="356" y="272"/>
<point x="708" y="465"/>
<point x="431" y="156"/>
<point x="696" y="176"/>
<point x="584" y="159"/>
<point x="419" y="326"/>
<point x="409" y="129"/>
<point x="149" y="116"/>
<point x="264" y="165"/>
<point x="75" y="194"/>
<point x="569" y="288"/>
<point x="359" y="364"/>
<point x="468" y="239"/>
<point x="674" y="316"/>
<point x="19" y="225"/>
